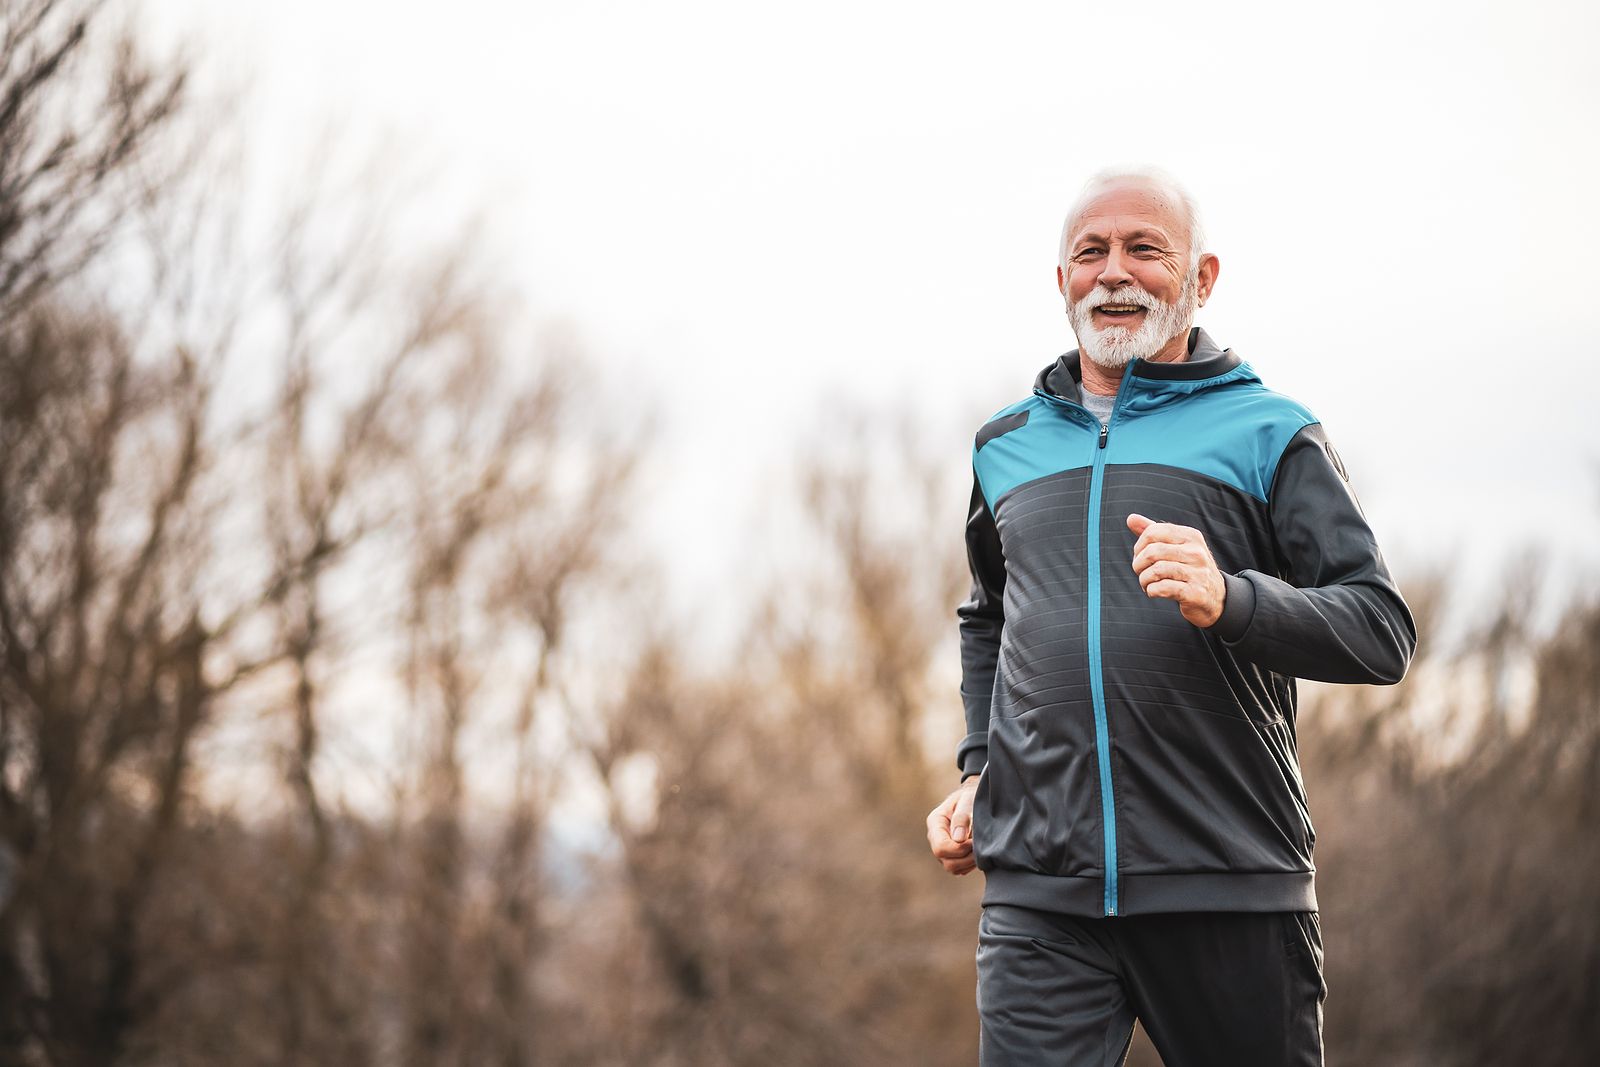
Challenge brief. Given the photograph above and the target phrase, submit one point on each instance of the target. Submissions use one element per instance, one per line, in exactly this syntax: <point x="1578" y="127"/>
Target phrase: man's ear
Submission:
<point x="1061" y="280"/>
<point x="1210" y="267"/>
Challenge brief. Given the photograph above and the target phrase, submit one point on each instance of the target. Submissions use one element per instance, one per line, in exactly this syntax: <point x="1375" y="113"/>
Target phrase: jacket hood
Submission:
<point x="1063" y="378"/>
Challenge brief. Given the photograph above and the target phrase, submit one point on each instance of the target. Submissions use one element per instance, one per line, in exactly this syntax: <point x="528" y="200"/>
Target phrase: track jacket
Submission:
<point x="1131" y="761"/>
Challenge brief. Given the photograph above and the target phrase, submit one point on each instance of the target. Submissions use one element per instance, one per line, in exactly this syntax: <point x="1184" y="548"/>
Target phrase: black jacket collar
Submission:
<point x="1063" y="378"/>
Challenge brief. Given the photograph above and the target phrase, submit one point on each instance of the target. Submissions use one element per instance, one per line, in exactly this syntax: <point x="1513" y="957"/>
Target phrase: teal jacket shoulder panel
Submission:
<point x="1031" y="439"/>
<point x="1230" y="428"/>
<point x="1216" y="419"/>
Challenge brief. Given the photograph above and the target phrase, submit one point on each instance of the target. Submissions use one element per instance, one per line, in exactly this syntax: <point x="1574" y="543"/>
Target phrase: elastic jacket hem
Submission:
<point x="1148" y="894"/>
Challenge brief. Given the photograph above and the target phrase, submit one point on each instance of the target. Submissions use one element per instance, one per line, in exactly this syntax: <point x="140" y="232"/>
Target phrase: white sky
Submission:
<point x="746" y="209"/>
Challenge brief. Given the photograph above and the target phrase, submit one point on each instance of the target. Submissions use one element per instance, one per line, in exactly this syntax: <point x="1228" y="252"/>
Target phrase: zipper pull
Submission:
<point x="1104" y="430"/>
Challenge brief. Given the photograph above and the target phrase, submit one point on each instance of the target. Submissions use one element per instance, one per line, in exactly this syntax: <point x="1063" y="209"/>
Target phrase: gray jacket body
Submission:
<point x="1132" y="762"/>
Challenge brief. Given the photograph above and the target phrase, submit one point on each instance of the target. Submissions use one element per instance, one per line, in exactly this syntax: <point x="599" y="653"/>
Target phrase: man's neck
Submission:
<point x="1104" y="380"/>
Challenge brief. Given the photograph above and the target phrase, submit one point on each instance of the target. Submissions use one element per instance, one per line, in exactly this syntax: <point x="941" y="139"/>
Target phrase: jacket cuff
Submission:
<point x="1238" y="608"/>
<point x="973" y="755"/>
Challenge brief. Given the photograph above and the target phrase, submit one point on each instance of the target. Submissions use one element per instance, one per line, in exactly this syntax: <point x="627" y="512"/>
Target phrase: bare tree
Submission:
<point x="67" y="140"/>
<point x="176" y="568"/>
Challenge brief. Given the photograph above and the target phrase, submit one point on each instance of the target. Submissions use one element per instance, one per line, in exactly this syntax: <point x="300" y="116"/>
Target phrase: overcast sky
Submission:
<point x="748" y="209"/>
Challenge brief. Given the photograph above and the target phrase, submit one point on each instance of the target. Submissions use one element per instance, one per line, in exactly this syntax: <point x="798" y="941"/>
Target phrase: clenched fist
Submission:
<point x="1173" y="562"/>
<point x="950" y="829"/>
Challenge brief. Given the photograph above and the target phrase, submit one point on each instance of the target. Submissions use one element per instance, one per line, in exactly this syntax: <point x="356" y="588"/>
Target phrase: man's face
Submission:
<point x="1128" y="283"/>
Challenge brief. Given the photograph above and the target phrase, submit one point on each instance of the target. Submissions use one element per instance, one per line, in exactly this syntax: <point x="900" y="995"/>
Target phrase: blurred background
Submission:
<point x="481" y="500"/>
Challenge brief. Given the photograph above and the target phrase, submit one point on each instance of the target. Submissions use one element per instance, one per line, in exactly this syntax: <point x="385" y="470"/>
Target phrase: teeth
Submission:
<point x="1119" y="307"/>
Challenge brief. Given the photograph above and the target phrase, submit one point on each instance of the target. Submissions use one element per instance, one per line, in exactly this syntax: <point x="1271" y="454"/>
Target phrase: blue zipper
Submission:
<point x="1097" y="689"/>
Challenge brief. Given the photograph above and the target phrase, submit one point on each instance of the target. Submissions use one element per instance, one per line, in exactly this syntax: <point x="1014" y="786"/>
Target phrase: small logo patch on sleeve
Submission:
<point x="1338" y="464"/>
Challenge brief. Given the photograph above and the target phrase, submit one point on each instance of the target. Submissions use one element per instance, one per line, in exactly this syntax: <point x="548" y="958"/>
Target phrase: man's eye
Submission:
<point x="1146" y="248"/>
<point x="1085" y="253"/>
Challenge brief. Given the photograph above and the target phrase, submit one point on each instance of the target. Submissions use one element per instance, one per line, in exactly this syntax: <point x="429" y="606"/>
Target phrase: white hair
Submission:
<point x="1164" y="184"/>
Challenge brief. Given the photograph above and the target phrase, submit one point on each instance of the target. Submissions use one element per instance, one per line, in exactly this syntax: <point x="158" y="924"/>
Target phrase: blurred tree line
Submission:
<point x="317" y="601"/>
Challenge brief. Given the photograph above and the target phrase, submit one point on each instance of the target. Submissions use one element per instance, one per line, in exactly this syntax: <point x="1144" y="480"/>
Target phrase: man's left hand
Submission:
<point x="1173" y="562"/>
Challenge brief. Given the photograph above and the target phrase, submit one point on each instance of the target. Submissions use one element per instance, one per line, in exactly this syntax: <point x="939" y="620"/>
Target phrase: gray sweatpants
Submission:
<point x="1234" y="989"/>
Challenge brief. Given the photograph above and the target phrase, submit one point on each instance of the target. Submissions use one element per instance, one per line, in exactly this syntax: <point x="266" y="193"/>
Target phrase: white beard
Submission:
<point x="1116" y="346"/>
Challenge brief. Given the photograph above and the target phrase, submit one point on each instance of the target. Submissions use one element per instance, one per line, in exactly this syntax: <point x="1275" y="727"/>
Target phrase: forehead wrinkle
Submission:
<point x="1142" y="229"/>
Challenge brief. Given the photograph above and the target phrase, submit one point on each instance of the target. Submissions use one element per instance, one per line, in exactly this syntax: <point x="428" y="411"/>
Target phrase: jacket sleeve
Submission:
<point x="1339" y="616"/>
<point x="981" y="619"/>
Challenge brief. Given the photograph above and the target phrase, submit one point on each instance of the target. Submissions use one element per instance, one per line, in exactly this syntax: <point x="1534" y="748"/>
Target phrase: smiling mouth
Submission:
<point x="1119" y="310"/>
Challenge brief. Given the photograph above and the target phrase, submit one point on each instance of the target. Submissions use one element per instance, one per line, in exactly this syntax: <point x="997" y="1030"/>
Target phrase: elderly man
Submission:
<point x="1159" y="547"/>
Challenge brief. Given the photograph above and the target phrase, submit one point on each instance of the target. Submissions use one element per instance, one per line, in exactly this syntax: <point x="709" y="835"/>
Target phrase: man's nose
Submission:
<point x="1115" y="270"/>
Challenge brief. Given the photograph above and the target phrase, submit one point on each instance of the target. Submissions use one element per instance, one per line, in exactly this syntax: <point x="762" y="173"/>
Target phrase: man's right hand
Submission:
<point x="950" y="829"/>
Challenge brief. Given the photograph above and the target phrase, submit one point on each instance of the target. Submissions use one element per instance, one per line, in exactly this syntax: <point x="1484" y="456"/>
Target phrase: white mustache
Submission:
<point x="1124" y="294"/>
